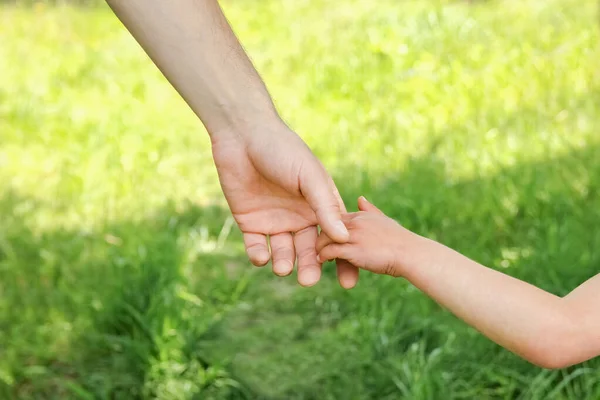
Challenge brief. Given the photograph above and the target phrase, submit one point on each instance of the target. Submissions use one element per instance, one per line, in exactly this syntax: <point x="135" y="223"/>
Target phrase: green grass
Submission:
<point x="122" y="277"/>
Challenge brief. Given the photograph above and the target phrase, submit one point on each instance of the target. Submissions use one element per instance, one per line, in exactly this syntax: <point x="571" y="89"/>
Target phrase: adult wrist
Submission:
<point x="242" y="122"/>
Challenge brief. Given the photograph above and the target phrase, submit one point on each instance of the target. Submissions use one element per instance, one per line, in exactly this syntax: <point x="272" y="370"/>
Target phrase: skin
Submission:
<point x="277" y="190"/>
<point x="547" y="330"/>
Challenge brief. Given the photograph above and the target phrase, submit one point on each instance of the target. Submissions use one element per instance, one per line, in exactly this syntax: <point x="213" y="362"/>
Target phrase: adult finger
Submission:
<point x="256" y="248"/>
<point x="309" y="270"/>
<point x="347" y="273"/>
<point x="319" y="191"/>
<point x="283" y="253"/>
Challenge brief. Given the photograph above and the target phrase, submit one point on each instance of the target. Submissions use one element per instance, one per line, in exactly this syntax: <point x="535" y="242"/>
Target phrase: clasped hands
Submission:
<point x="279" y="193"/>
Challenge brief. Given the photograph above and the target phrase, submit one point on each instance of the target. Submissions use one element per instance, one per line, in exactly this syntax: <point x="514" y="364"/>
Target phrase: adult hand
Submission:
<point x="277" y="188"/>
<point x="273" y="183"/>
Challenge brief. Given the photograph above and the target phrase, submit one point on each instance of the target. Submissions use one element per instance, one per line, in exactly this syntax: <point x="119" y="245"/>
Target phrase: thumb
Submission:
<point x="321" y="194"/>
<point x="365" y="205"/>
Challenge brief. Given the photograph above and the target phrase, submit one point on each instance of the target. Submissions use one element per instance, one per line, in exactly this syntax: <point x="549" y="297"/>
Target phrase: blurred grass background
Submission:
<point x="122" y="276"/>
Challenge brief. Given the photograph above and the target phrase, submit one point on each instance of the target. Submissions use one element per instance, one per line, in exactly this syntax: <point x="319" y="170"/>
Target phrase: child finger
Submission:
<point x="322" y="241"/>
<point x="333" y="251"/>
<point x="366" y="205"/>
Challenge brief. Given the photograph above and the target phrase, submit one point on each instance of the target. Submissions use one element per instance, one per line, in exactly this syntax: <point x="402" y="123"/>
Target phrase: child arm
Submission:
<point x="547" y="330"/>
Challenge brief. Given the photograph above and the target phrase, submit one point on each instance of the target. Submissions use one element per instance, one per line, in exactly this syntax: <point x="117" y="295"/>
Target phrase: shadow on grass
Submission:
<point x="118" y="312"/>
<point x="537" y="221"/>
<point x="161" y="307"/>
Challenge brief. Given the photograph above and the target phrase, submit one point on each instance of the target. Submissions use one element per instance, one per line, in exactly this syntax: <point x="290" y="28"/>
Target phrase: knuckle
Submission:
<point x="325" y="208"/>
<point x="304" y="231"/>
<point x="328" y="253"/>
<point x="388" y="269"/>
<point x="307" y="252"/>
<point x="282" y="253"/>
<point x="322" y="244"/>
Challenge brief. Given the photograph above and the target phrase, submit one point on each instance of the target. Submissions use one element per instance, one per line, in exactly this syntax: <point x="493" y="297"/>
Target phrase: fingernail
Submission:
<point x="341" y="229"/>
<point x="319" y="259"/>
<point x="283" y="268"/>
<point x="310" y="277"/>
<point x="259" y="257"/>
<point x="348" y="283"/>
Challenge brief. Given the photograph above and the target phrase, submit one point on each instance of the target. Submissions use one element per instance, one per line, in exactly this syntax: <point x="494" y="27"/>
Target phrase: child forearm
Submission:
<point x="547" y="330"/>
<point x="540" y="327"/>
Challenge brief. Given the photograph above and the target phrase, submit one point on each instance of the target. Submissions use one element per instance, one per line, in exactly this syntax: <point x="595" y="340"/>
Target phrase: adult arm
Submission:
<point x="273" y="183"/>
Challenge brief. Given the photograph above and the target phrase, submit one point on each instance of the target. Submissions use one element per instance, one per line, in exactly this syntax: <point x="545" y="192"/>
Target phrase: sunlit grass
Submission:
<point x="121" y="275"/>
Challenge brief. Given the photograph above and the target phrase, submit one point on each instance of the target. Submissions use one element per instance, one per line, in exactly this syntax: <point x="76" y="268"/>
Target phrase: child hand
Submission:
<point x="377" y="243"/>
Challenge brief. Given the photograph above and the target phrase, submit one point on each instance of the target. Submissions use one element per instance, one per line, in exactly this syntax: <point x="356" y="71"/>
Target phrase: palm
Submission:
<point x="262" y="200"/>
<point x="268" y="184"/>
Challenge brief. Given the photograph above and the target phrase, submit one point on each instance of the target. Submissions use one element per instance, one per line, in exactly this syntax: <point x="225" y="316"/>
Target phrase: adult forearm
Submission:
<point x="527" y="320"/>
<point x="193" y="45"/>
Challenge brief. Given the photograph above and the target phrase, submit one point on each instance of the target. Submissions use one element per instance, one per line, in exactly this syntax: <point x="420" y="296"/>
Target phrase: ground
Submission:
<point x="122" y="275"/>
